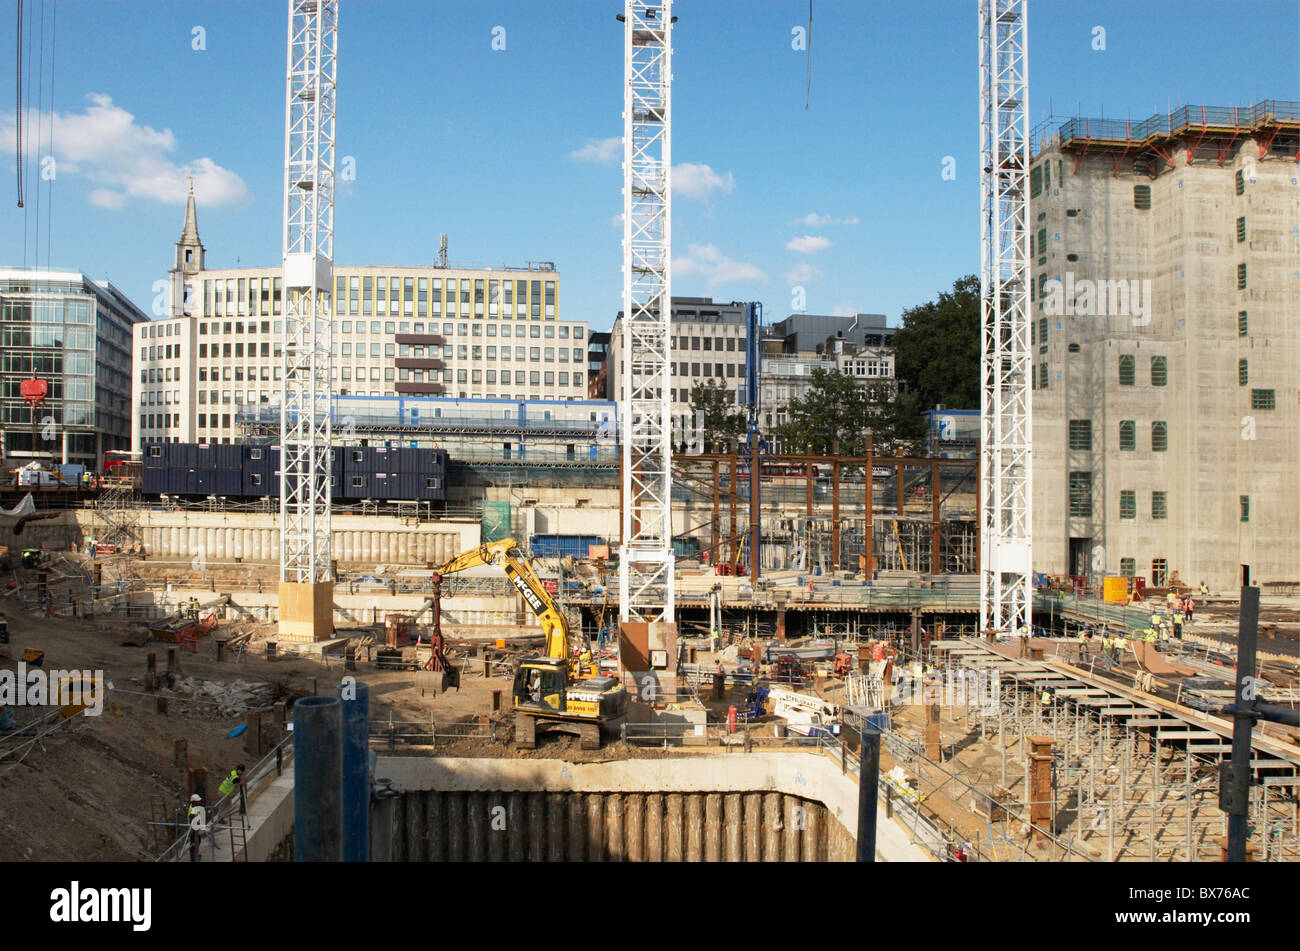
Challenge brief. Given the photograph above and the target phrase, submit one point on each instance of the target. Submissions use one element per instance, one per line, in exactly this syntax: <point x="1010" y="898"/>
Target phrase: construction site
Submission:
<point x="726" y="656"/>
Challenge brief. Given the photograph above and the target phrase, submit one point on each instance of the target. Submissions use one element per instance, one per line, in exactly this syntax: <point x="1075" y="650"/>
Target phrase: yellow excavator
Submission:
<point x="563" y="689"/>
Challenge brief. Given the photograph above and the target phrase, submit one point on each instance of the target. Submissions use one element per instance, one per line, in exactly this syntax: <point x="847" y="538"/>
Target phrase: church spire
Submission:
<point x="190" y="233"/>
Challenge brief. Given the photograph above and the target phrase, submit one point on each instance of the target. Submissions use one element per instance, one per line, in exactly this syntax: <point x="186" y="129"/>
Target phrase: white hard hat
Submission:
<point x="196" y="798"/>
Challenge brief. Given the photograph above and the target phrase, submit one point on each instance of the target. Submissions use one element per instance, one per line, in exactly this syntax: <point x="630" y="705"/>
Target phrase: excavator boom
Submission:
<point x="505" y="553"/>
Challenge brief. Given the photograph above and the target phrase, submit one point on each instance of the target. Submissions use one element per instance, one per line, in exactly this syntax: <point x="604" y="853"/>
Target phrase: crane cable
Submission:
<point x="18" y="112"/>
<point x="808" y="88"/>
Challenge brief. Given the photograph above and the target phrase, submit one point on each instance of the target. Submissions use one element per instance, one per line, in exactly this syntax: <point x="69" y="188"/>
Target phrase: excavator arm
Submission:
<point x="505" y="553"/>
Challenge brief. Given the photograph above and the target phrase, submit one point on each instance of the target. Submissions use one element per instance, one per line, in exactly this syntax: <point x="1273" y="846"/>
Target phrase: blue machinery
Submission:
<point x="753" y="371"/>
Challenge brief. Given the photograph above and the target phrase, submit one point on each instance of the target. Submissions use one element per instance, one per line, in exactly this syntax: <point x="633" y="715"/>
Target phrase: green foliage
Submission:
<point x="937" y="350"/>
<point x="719" y="419"/>
<point x="837" y="409"/>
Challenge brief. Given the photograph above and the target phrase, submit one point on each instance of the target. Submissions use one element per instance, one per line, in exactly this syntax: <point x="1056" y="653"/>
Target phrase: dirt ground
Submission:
<point x="85" y="792"/>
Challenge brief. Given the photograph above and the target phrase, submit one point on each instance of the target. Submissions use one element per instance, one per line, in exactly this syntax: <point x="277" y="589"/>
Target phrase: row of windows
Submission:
<point x="1080" y="435"/>
<point x="402" y="295"/>
<point x="1128" y="504"/>
<point x="1128" y="370"/>
<point x="465" y="329"/>
<point x="1159" y="570"/>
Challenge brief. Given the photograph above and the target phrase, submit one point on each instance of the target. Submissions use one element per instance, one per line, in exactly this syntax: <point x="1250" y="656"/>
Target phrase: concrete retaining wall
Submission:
<point x="367" y="540"/>
<point x="750" y="807"/>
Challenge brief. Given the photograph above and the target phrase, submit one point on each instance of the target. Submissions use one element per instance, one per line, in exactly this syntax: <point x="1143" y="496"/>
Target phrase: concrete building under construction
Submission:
<point x="1165" y="349"/>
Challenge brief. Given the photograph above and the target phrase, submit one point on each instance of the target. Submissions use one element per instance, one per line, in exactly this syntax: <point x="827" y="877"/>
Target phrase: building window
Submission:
<point x="1127" y="435"/>
<point x="1243" y="323"/>
<point x="1073" y="348"/>
<point x="1241" y="277"/>
<point x="1128" y="506"/>
<point x="1245" y="507"/>
<point x="1159" y="504"/>
<point x="1042" y="376"/>
<point x="1142" y="197"/>
<point x="1243" y="372"/>
<point x="1080" y="494"/>
<point x="1159" y="436"/>
<point x="1241" y="182"/>
<point x="1263" y="399"/>
<point x="1159" y="572"/>
<point x="1159" y="371"/>
<point x="1127" y="369"/>
<point x="1081" y="434"/>
<point x="1127" y="567"/>
<point x="1241" y="229"/>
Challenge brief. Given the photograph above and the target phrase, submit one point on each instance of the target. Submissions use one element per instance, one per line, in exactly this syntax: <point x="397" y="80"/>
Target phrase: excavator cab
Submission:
<point x="540" y="685"/>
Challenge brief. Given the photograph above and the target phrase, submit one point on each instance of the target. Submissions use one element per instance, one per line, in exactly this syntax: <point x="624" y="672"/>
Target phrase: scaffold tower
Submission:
<point x="1005" y="560"/>
<point x="646" y="557"/>
<point x="306" y="345"/>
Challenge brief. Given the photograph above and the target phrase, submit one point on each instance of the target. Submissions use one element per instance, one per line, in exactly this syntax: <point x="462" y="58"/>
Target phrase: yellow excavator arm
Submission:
<point x="506" y="554"/>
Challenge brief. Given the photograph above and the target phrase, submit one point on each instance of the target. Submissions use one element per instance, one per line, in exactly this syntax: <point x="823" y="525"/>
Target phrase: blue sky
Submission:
<point x="502" y="149"/>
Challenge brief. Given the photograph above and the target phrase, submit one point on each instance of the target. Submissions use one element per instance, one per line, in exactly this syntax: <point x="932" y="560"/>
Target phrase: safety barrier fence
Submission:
<point x="221" y="812"/>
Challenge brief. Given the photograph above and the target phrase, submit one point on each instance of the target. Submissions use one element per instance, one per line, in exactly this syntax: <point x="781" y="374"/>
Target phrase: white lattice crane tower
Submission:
<point x="1005" y="550"/>
<point x="646" y="568"/>
<point x="306" y="581"/>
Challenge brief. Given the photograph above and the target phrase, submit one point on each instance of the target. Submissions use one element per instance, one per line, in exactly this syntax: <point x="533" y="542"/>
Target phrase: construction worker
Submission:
<point x="1152" y="636"/>
<point x="1205" y="592"/>
<point x="1024" y="640"/>
<point x="1178" y="628"/>
<point x="1108" y="646"/>
<point x="1189" y="607"/>
<point x="1046" y="698"/>
<point x="232" y="782"/>
<point x="1121" y="645"/>
<point x="196" y="825"/>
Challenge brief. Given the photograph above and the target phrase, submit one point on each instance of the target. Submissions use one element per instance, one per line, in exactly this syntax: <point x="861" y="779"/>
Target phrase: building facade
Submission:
<point x="708" y="347"/>
<point x="75" y="334"/>
<point x="860" y="346"/>
<point x="398" y="331"/>
<point x="1166" y="347"/>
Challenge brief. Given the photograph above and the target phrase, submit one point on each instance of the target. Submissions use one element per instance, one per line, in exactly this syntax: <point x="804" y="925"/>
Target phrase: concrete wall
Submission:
<point x="255" y="537"/>
<point x="1219" y="448"/>
<point x="791" y="804"/>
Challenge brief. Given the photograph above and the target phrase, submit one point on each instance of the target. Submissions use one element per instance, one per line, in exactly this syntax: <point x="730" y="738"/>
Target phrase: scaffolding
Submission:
<point x="117" y="517"/>
<point x="1090" y="775"/>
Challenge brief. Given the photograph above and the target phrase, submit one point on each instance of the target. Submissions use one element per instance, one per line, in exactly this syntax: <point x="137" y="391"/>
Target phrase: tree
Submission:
<point x="837" y="409"/>
<point x="716" y="415"/>
<point x="937" y="350"/>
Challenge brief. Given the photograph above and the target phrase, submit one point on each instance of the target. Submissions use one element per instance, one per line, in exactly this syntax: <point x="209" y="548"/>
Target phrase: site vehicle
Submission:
<point x="563" y="689"/>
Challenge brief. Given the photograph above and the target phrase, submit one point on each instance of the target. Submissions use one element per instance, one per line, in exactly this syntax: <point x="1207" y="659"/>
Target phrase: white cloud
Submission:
<point x="707" y="262"/>
<point x="814" y="220"/>
<point x="601" y="151"/>
<point x="804" y="274"/>
<point x="128" y="160"/>
<point x="698" y="182"/>
<point x="808" y="244"/>
<point x="105" y="198"/>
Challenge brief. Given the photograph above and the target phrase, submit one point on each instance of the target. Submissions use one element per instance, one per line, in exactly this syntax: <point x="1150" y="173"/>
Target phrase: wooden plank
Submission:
<point x="1184" y="735"/>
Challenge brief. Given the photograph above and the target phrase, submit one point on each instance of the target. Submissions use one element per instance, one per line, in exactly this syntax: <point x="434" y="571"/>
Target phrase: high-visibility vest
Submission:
<point x="1107" y="642"/>
<point x="1047" y="698"/>
<point x="1121" y="642"/>
<point x="229" y="783"/>
<point x="1151" y="637"/>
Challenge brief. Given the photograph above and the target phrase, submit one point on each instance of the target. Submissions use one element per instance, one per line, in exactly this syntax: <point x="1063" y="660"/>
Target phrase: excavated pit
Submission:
<point x="753" y="808"/>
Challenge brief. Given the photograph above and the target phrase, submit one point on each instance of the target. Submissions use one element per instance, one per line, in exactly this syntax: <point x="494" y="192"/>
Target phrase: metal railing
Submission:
<point x="272" y="763"/>
<point x="1233" y="117"/>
